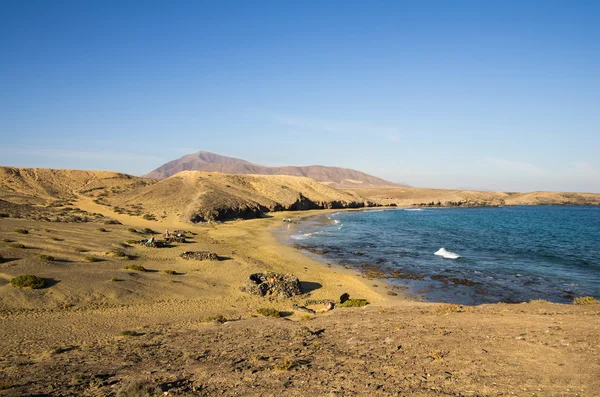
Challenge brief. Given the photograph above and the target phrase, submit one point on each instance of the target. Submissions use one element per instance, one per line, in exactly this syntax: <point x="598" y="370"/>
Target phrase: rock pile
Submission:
<point x="200" y="255"/>
<point x="273" y="285"/>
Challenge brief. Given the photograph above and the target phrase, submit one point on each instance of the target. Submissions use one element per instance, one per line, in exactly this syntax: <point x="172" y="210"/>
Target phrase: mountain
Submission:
<point x="209" y="162"/>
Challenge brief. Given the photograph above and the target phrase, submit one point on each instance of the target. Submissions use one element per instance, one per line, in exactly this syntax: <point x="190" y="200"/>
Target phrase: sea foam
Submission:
<point x="446" y="254"/>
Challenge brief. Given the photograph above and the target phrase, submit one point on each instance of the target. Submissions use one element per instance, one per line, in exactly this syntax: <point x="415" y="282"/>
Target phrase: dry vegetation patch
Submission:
<point x="28" y="281"/>
<point x="354" y="303"/>
<point x="268" y="312"/>
<point x="585" y="300"/>
<point x="137" y="268"/>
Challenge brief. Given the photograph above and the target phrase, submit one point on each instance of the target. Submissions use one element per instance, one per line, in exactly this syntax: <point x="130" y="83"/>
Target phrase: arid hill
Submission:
<point x="406" y="196"/>
<point x="210" y="162"/>
<point x="200" y="196"/>
<point x="39" y="185"/>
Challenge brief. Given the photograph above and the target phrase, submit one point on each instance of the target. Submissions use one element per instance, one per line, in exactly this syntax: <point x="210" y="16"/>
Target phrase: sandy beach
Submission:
<point x="101" y="330"/>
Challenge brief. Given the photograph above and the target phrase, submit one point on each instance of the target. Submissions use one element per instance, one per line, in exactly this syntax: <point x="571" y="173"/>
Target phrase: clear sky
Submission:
<point x="498" y="95"/>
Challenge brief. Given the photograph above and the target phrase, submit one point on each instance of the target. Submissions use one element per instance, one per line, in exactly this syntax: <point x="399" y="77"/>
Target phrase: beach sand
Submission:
<point x="101" y="330"/>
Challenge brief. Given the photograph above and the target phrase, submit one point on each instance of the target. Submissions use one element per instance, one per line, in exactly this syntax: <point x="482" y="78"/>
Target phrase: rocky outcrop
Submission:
<point x="200" y="255"/>
<point x="273" y="285"/>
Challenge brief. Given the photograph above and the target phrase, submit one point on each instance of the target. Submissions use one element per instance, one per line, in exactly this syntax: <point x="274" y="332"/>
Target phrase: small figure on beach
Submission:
<point x="167" y="234"/>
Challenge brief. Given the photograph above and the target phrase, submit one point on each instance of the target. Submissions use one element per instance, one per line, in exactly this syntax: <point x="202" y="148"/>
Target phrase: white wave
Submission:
<point x="313" y="233"/>
<point x="298" y="237"/>
<point x="413" y="209"/>
<point x="336" y="221"/>
<point x="374" y="211"/>
<point x="446" y="254"/>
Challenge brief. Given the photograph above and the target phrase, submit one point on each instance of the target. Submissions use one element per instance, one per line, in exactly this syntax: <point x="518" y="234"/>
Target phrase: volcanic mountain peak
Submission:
<point x="210" y="162"/>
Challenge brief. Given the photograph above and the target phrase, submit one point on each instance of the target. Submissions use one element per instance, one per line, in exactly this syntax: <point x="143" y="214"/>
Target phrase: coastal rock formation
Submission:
<point x="200" y="255"/>
<point x="208" y="197"/>
<point x="273" y="285"/>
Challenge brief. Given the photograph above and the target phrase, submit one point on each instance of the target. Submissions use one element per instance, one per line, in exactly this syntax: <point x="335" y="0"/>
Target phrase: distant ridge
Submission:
<point x="210" y="162"/>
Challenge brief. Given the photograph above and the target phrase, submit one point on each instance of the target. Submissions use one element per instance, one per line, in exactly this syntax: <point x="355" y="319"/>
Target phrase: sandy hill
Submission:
<point x="201" y="196"/>
<point x="43" y="184"/>
<point x="418" y="196"/>
<point x="210" y="162"/>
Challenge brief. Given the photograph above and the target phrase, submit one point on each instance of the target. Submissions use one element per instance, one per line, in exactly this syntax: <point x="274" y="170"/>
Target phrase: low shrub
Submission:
<point x="217" y="318"/>
<point x="149" y="231"/>
<point x="48" y="258"/>
<point x="132" y="230"/>
<point x="130" y="333"/>
<point x="91" y="258"/>
<point x="138" y="268"/>
<point x="22" y="231"/>
<point x="56" y="239"/>
<point x="170" y="272"/>
<point x="354" y="303"/>
<point x="47" y="230"/>
<point x="450" y="308"/>
<point x="28" y="281"/>
<point x="284" y="365"/>
<point x="116" y="253"/>
<point x="16" y="245"/>
<point x="101" y="229"/>
<point x="115" y="279"/>
<point x="585" y="300"/>
<point x="268" y="312"/>
<point x="81" y="250"/>
<point x="7" y="240"/>
<point x="306" y="317"/>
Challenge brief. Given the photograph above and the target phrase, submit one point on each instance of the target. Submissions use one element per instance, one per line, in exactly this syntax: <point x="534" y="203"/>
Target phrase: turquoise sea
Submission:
<point x="506" y="254"/>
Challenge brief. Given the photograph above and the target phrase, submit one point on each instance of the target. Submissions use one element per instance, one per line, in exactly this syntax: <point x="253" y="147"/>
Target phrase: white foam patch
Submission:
<point x="413" y="209"/>
<point x="446" y="254"/>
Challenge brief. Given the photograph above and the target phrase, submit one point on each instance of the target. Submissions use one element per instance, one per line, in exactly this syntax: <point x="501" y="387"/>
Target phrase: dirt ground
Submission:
<point x="100" y="330"/>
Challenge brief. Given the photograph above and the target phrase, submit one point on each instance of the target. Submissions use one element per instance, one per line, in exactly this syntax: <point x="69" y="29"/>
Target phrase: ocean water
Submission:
<point x="467" y="255"/>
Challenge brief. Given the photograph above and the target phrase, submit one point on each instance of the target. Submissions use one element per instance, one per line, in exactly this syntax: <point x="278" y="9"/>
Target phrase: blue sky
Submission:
<point x="454" y="94"/>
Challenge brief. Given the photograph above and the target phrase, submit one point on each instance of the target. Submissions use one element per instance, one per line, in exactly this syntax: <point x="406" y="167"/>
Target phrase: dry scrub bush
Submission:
<point x="16" y="245"/>
<point x="47" y="258"/>
<point x="170" y="272"/>
<point x="447" y="309"/>
<point x="268" y="312"/>
<point x="28" y="281"/>
<point x="585" y="300"/>
<point x="137" y="268"/>
<point x="90" y="258"/>
<point x="217" y="318"/>
<point x="139" y="389"/>
<point x="22" y="231"/>
<point x="354" y="303"/>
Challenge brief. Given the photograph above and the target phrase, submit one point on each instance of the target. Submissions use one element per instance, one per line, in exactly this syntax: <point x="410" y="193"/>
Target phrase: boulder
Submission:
<point x="273" y="285"/>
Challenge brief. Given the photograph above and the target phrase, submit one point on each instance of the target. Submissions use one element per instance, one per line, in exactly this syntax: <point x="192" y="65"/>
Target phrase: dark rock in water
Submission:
<point x="273" y="285"/>
<point x="345" y="296"/>
<point x="200" y="255"/>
